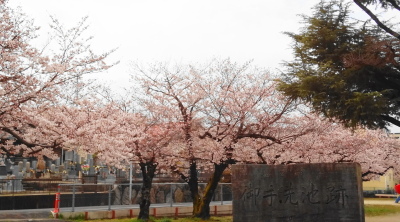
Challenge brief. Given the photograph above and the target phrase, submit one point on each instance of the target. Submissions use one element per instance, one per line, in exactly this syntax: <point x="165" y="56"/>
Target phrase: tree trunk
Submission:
<point x="201" y="205"/>
<point x="148" y="170"/>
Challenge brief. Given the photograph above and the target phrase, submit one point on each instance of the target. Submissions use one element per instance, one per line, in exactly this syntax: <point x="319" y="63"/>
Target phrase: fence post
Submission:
<point x="222" y="195"/>
<point x="170" y="188"/>
<point x="73" y="197"/>
<point x="109" y="198"/>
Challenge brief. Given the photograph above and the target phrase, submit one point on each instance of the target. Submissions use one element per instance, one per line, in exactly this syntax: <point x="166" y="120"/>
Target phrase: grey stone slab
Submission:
<point x="20" y="166"/>
<point x="69" y="155"/>
<point x="27" y="166"/>
<point x="328" y="192"/>
<point x="3" y="171"/>
<point x="34" y="164"/>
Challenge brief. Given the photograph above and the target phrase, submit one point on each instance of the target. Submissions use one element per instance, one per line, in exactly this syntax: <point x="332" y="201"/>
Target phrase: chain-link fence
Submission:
<point x="79" y="195"/>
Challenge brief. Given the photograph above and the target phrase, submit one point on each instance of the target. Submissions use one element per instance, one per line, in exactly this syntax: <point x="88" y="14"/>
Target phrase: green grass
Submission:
<point x="381" y="210"/>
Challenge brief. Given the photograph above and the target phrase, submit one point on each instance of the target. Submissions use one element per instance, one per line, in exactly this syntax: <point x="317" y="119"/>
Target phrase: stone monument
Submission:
<point x="328" y="192"/>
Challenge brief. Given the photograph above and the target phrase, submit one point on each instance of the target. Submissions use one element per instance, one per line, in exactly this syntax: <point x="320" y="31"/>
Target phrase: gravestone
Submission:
<point x="328" y="192"/>
<point x="3" y="171"/>
<point x="34" y="164"/>
<point x="118" y="195"/>
<point x="53" y="168"/>
<point x="2" y="161"/>
<point x="20" y="166"/>
<point x="178" y="195"/>
<point x="125" y="197"/>
<point x="69" y="155"/>
<point x="153" y="195"/>
<point x="27" y="166"/>
<point x="61" y="169"/>
<point x="160" y="197"/>
<point x="77" y="158"/>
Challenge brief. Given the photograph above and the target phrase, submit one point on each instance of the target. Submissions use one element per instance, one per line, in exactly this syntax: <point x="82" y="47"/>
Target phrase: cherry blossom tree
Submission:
<point x="241" y="104"/>
<point x="170" y="96"/>
<point x="119" y="138"/>
<point x="33" y="79"/>
<point x="229" y="113"/>
<point x="215" y="107"/>
<point x="330" y="141"/>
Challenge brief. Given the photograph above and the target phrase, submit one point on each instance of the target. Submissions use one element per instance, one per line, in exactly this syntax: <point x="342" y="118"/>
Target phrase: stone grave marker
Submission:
<point x="69" y="155"/>
<point x="61" y="169"/>
<point x="27" y="166"/>
<point x="328" y="192"/>
<point x="3" y="171"/>
<point x="53" y="168"/>
<point x="91" y="166"/>
<point x="77" y="158"/>
<point x="34" y="164"/>
<point x="20" y="166"/>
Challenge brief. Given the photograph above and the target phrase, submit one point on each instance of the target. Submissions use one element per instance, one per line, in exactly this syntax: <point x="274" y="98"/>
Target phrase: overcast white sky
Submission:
<point x="179" y="30"/>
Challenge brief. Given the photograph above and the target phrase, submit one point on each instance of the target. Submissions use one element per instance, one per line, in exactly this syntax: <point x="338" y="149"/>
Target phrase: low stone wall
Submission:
<point x="47" y="201"/>
<point x="161" y="193"/>
<point x="154" y="212"/>
<point x="96" y="195"/>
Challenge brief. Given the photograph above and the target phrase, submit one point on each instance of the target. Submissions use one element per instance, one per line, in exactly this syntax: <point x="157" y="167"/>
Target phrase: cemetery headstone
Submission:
<point x="69" y="155"/>
<point x="41" y="165"/>
<point x="160" y="197"/>
<point x="329" y="192"/>
<point x="61" y="169"/>
<point x="77" y="158"/>
<point x="34" y="164"/>
<point x="15" y="170"/>
<point x="2" y="160"/>
<point x="53" y="168"/>
<point x="110" y="178"/>
<point x="28" y="166"/>
<point x="178" y="195"/>
<point x="152" y="195"/>
<point x="91" y="168"/>
<point x="9" y="166"/>
<point x="20" y="166"/>
<point x="3" y="171"/>
<point x="125" y="197"/>
<point x="118" y="195"/>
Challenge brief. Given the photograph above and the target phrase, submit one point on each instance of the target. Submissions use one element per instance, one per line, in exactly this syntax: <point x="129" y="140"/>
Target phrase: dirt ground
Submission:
<point x="390" y="218"/>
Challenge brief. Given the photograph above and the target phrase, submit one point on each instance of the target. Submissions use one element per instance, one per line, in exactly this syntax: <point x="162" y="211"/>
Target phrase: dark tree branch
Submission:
<point x="258" y="136"/>
<point x="394" y="4"/>
<point x="391" y="120"/>
<point x="377" y="21"/>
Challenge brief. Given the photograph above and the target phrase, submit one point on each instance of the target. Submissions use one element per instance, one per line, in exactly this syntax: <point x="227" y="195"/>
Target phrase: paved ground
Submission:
<point x="43" y="215"/>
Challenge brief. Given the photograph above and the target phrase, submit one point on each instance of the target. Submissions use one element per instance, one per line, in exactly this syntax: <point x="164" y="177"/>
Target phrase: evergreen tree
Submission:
<point x="344" y="68"/>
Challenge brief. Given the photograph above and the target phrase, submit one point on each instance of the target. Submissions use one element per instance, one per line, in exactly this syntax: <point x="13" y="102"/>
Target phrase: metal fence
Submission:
<point x="373" y="192"/>
<point x="78" y="195"/>
<point x="32" y="186"/>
